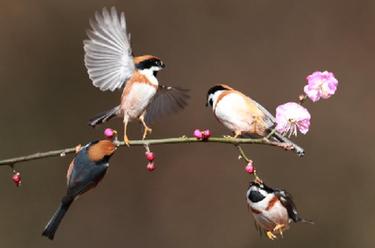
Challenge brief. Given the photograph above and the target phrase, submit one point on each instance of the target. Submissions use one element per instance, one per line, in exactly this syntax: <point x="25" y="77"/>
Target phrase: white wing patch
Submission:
<point x="108" y="55"/>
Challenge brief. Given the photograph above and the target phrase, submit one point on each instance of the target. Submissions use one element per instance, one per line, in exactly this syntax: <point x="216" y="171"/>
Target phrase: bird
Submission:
<point x="273" y="209"/>
<point x="246" y="117"/>
<point x="86" y="170"/>
<point x="111" y="65"/>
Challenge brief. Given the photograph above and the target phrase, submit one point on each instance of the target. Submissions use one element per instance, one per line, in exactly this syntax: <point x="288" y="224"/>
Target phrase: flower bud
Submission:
<point x="250" y="167"/>
<point x="198" y="134"/>
<point x="16" y="178"/>
<point x="108" y="132"/>
<point x="150" y="156"/>
<point x="206" y="134"/>
<point x="151" y="166"/>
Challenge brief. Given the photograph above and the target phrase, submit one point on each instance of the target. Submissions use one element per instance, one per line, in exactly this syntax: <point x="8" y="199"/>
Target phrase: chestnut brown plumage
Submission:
<point x="111" y="65"/>
<point x="245" y="117"/>
<point x="85" y="171"/>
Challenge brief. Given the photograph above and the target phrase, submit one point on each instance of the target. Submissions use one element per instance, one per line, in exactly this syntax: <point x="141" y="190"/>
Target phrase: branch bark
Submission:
<point x="178" y="140"/>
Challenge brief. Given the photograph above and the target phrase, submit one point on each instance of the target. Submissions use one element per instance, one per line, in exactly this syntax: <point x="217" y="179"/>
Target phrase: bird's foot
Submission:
<point x="126" y="140"/>
<point x="279" y="228"/>
<point x="146" y="131"/>
<point x="78" y="148"/>
<point x="258" y="180"/>
<point x="270" y="235"/>
<point x="235" y="136"/>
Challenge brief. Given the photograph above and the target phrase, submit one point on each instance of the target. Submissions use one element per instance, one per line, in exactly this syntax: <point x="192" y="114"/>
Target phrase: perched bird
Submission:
<point x="273" y="209"/>
<point x="85" y="171"/>
<point x="110" y="64"/>
<point x="244" y="116"/>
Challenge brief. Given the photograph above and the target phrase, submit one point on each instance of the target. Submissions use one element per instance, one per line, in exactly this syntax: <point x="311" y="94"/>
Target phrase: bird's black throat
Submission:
<point x="255" y="196"/>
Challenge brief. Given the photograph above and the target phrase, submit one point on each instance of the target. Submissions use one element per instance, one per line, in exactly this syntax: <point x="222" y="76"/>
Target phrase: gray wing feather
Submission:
<point x="108" y="55"/>
<point x="167" y="100"/>
<point x="269" y="118"/>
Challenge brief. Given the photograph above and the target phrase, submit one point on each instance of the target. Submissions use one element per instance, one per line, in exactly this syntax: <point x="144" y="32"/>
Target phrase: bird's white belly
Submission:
<point x="270" y="218"/>
<point x="232" y="113"/>
<point x="139" y="97"/>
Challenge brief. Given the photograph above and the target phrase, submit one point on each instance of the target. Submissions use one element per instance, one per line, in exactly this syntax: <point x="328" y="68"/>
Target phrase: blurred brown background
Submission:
<point x="196" y="197"/>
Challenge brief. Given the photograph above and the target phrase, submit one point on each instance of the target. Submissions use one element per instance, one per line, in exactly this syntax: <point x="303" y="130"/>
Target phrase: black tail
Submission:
<point x="299" y="150"/>
<point x="104" y="116"/>
<point x="54" y="222"/>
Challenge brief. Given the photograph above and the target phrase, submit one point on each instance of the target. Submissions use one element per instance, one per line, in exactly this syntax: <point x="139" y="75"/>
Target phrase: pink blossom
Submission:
<point x="320" y="85"/>
<point x="290" y="117"/>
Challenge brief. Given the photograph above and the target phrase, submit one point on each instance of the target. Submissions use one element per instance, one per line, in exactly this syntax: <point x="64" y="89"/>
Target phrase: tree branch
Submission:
<point x="178" y="140"/>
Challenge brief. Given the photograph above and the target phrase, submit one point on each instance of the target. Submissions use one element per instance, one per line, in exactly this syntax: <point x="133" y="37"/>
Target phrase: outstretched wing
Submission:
<point x="167" y="100"/>
<point x="108" y="55"/>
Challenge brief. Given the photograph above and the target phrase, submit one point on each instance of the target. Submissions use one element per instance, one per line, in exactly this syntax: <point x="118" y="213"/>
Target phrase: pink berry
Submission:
<point x="108" y="132"/>
<point x="198" y="134"/>
<point x="16" y="178"/>
<point x="151" y="166"/>
<point x="150" y="156"/>
<point x="250" y="168"/>
<point x="206" y="134"/>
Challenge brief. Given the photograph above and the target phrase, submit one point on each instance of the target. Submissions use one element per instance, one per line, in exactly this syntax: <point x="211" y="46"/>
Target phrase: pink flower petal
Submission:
<point x="320" y="85"/>
<point x="292" y="116"/>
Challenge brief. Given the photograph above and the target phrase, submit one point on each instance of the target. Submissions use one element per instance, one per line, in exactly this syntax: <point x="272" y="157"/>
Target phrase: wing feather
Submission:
<point x="167" y="100"/>
<point x="286" y="200"/>
<point x="108" y="55"/>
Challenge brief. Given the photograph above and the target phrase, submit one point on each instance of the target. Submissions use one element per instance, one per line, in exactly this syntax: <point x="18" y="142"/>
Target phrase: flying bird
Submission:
<point x="245" y="117"/>
<point x="273" y="209"/>
<point x="87" y="169"/>
<point x="111" y="65"/>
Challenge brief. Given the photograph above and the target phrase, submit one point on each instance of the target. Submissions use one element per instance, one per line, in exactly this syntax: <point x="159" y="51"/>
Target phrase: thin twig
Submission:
<point x="178" y="140"/>
<point x="244" y="157"/>
<point x="242" y="154"/>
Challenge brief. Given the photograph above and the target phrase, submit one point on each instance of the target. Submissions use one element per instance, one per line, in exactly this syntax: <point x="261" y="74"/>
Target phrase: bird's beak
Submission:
<point x="163" y="65"/>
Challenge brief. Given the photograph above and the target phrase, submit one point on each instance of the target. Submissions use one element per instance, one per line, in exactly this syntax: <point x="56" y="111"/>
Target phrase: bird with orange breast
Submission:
<point x="87" y="169"/>
<point x="245" y="117"/>
<point x="110" y="64"/>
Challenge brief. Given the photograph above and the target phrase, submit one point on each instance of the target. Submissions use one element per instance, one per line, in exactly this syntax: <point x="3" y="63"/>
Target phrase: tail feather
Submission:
<point x="307" y="221"/>
<point x="54" y="222"/>
<point x="104" y="116"/>
<point x="299" y="150"/>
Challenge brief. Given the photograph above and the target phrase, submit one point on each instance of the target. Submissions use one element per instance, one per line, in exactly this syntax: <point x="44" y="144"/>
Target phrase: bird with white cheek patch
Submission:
<point x="245" y="117"/>
<point x="273" y="209"/>
<point x="110" y="64"/>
